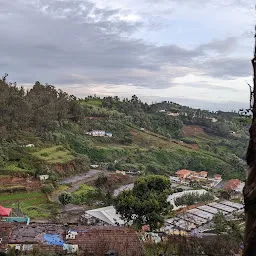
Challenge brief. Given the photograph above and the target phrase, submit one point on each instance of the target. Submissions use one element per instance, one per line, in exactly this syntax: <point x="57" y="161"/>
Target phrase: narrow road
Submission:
<point x="80" y="177"/>
<point x="77" y="180"/>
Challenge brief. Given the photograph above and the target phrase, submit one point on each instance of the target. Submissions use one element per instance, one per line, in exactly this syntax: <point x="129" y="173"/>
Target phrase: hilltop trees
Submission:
<point x="146" y="203"/>
<point x="42" y="108"/>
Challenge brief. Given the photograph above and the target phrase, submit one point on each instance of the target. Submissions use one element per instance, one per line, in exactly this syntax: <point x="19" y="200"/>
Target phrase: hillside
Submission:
<point x="55" y="124"/>
<point x="44" y="131"/>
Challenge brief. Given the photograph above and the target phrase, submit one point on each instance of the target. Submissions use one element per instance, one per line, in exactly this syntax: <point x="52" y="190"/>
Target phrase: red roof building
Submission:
<point x="217" y="177"/>
<point x="5" y="212"/>
<point x="232" y="184"/>
<point x="183" y="174"/>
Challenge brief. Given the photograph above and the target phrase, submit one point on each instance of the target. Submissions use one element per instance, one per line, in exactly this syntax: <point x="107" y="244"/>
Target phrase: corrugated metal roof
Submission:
<point x="200" y="213"/>
<point x="210" y="209"/>
<point x="232" y="204"/>
<point x="107" y="214"/>
<point x="222" y="207"/>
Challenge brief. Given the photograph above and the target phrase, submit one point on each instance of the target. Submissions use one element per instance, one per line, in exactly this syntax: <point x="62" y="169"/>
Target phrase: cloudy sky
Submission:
<point x="194" y="52"/>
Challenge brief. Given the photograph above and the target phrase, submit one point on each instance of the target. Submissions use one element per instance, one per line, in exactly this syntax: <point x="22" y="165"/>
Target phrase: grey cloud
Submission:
<point x="220" y="46"/>
<point x="226" y="68"/>
<point x="175" y="54"/>
<point x="206" y="85"/>
<point x="51" y="41"/>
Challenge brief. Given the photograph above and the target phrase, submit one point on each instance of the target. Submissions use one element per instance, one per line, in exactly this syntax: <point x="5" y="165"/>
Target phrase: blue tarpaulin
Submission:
<point x="53" y="239"/>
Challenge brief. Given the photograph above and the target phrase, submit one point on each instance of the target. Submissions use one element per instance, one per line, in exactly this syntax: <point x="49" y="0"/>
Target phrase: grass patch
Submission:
<point x="92" y="102"/>
<point x="12" y="168"/>
<point x="20" y="196"/>
<point x="147" y="140"/>
<point x="63" y="188"/>
<point x="83" y="190"/>
<point x="33" y="204"/>
<point x="56" y="154"/>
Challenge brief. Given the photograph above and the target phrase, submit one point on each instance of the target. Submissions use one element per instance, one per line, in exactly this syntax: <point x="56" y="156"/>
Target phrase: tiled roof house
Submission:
<point x="232" y="184"/>
<point x="56" y="238"/>
<point x="183" y="174"/>
<point x="99" y="240"/>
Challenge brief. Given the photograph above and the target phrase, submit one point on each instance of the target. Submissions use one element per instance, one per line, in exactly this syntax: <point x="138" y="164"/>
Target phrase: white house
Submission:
<point x="106" y="215"/>
<point x="30" y="146"/>
<point x="97" y="133"/>
<point x="94" y="166"/>
<point x="43" y="177"/>
<point x="71" y="234"/>
<point x="109" y="134"/>
<point x="175" y="114"/>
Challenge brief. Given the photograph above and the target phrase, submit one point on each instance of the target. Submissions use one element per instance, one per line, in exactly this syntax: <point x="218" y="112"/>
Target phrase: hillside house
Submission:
<point x="30" y="146"/>
<point x="233" y="189"/>
<point x="233" y="185"/>
<point x="99" y="133"/>
<point x="187" y="174"/>
<point x="218" y="177"/>
<point x="94" y="166"/>
<point x="96" y="133"/>
<point x="174" y="114"/>
<point x="183" y="174"/>
<point x="109" y="134"/>
<point x="43" y="177"/>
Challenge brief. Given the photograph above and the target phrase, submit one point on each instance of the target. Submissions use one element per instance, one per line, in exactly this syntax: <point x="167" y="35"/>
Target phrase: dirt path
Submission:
<point x="76" y="181"/>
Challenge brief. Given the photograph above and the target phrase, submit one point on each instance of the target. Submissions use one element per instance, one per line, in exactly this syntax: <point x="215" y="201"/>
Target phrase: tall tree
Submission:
<point x="146" y="203"/>
<point x="250" y="186"/>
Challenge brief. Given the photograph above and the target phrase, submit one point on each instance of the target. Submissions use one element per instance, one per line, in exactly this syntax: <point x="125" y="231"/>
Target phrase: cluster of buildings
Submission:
<point x="9" y="215"/>
<point x="187" y="174"/>
<point x="199" y="219"/>
<point x="188" y="177"/>
<point x="69" y="239"/>
<point x="99" y="133"/>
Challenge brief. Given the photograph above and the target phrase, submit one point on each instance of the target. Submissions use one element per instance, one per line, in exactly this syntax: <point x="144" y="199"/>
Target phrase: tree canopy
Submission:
<point x="146" y="203"/>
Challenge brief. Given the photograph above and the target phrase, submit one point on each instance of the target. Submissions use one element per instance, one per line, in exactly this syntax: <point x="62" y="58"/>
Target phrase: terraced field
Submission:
<point x="33" y="204"/>
<point x="56" y="154"/>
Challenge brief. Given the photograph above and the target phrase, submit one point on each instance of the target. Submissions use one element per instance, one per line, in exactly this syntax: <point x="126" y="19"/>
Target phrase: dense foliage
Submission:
<point x="146" y="138"/>
<point x="193" y="198"/>
<point x="146" y="203"/>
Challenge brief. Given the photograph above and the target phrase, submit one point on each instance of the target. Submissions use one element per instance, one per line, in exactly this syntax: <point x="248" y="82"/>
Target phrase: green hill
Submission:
<point x="146" y="138"/>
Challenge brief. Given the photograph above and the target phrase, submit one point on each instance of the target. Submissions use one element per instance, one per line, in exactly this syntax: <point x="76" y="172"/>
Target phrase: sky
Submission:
<point x="193" y="52"/>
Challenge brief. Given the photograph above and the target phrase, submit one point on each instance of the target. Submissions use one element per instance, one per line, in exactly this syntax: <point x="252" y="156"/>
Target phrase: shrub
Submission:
<point x="48" y="188"/>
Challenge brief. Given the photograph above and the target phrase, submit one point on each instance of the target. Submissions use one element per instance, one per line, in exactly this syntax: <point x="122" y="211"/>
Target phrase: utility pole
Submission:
<point x="250" y="185"/>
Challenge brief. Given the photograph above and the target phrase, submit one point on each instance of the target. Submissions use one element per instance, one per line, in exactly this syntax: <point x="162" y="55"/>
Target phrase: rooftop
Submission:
<point x="107" y="214"/>
<point x="183" y="171"/>
<point x="90" y="240"/>
<point x="232" y="184"/>
<point x="98" y="240"/>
